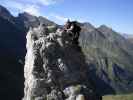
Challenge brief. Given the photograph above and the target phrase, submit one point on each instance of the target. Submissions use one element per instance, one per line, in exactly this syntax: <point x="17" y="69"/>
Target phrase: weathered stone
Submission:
<point x="55" y="68"/>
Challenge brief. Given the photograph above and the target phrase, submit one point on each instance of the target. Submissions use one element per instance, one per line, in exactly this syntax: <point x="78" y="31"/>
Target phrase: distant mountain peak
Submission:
<point x="4" y="13"/>
<point x="87" y="24"/>
<point x="87" y="27"/>
<point x="104" y="27"/>
<point x="127" y="35"/>
<point x="3" y="10"/>
<point x="26" y="15"/>
<point x="107" y="30"/>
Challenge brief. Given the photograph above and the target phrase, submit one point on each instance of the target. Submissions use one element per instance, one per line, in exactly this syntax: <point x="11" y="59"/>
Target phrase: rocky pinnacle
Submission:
<point x="55" y="67"/>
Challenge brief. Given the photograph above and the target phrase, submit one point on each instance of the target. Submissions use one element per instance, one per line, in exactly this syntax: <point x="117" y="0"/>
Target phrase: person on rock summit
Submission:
<point x="73" y="29"/>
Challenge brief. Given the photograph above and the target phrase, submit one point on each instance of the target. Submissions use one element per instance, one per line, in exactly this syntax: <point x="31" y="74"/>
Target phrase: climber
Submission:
<point x="73" y="29"/>
<point x="67" y="25"/>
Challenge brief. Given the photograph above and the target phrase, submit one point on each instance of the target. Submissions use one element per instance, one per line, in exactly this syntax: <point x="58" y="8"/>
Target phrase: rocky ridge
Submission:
<point x="55" y="69"/>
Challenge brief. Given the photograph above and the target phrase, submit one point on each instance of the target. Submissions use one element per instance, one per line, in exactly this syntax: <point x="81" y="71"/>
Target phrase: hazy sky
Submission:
<point x="117" y="14"/>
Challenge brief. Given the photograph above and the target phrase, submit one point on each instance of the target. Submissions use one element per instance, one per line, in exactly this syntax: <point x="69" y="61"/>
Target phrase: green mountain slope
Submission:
<point x="118" y="97"/>
<point x="110" y="57"/>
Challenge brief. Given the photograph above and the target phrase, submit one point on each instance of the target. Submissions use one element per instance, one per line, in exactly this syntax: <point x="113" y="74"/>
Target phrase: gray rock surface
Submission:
<point x="55" y="68"/>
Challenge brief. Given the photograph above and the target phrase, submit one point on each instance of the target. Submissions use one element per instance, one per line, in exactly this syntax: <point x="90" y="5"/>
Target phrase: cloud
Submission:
<point x="22" y="7"/>
<point x="58" y="18"/>
<point x="48" y="2"/>
<point x="61" y="18"/>
<point x="39" y="2"/>
<point x="33" y="7"/>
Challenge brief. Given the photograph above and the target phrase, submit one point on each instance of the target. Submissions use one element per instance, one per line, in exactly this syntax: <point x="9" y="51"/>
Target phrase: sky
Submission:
<point x="116" y="14"/>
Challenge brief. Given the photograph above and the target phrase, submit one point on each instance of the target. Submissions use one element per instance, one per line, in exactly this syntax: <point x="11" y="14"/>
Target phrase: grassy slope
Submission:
<point x="118" y="97"/>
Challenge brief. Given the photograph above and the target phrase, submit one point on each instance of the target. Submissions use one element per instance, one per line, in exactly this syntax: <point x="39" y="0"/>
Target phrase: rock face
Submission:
<point x="55" y="68"/>
<point x="25" y="21"/>
<point x="12" y="51"/>
<point x="110" y="57"/>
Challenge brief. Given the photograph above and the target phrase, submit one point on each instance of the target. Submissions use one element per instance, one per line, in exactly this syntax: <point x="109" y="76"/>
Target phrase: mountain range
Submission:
<point x="109" y="55"/>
